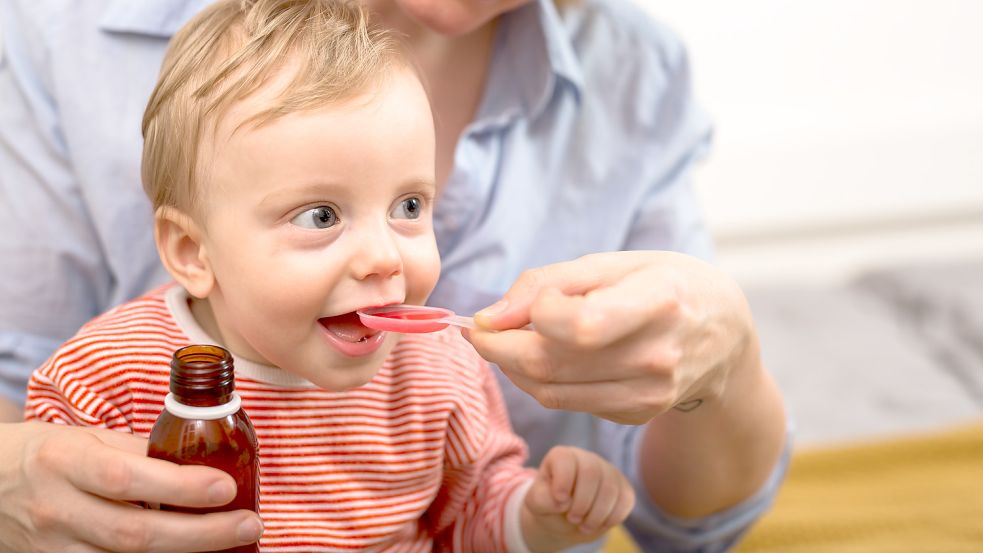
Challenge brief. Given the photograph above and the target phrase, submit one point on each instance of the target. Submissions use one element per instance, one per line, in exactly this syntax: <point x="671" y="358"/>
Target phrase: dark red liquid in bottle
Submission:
<point x="203" y="377"/>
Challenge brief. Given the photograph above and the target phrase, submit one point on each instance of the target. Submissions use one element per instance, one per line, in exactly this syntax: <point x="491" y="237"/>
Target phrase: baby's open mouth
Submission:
<point x="347" y="327"/>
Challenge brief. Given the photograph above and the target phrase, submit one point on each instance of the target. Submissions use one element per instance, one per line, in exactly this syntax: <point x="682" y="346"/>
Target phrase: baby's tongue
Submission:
<point x="348" y="327"/>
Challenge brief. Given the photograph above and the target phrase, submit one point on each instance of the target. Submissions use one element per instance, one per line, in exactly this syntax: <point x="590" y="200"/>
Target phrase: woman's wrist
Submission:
<point x="722" y="451"/>
<point x="10" y="411"/>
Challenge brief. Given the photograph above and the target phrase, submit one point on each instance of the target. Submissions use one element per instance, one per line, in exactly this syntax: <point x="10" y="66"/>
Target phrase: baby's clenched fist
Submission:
<point x="576" y="497"/>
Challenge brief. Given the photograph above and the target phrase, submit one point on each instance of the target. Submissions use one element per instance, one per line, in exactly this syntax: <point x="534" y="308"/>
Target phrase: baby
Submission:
<point x="289" y="155"/>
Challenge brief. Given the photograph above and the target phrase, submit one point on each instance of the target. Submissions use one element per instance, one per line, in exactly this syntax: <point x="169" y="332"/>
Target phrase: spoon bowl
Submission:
<point x="411" y="318"/>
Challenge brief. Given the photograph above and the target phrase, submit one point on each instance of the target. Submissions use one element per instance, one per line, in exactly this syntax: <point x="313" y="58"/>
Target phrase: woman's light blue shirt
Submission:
<point x="584" y="142"/>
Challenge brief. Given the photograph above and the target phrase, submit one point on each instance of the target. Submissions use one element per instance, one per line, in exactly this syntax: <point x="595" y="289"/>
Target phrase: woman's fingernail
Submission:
<point x="221" y="492"/>
<point x="250" y="530"/>
<point x="494" y="309"/>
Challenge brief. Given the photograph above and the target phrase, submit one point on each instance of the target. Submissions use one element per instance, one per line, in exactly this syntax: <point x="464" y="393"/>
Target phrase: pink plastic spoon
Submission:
<point x="412" y="318"/>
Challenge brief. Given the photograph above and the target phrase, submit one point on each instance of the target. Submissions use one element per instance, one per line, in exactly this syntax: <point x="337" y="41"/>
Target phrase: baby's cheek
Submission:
<point x="422" y="273"/>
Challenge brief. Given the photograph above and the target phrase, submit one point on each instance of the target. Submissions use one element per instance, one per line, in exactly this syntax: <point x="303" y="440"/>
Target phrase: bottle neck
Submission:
<point x="202" y="376"/>
<point x="214" y="412"/>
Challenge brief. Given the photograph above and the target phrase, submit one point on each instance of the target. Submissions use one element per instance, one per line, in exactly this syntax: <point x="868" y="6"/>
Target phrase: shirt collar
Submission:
<point x="157" y="18"/>
<point x="562" y="57"/>
<point x="533" y="53"/>
<point x="176" y="298"/>
<point x="533" y="57"/>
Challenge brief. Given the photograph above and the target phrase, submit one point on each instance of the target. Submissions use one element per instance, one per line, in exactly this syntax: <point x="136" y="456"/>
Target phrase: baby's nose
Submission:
<point x="377" y="255"/>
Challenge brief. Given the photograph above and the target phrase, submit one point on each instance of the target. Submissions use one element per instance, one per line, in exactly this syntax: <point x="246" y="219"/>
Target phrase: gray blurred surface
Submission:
<point x="895" y="351"/>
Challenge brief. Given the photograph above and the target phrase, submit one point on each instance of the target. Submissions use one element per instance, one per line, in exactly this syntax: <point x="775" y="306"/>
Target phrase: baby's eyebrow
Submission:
<point x="292" y="191"/>
<point x="417" y="183"/>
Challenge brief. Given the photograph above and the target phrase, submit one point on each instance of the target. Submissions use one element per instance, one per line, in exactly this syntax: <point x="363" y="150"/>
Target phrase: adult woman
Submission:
<point x="559" y="134"/>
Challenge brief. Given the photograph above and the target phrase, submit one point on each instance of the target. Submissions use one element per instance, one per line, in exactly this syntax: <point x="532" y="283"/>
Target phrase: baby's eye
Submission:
<point x="320" y="217"/>
<point x="410" y="208"/>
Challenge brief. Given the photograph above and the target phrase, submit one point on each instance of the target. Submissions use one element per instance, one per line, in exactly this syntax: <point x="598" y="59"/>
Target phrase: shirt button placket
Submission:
<point x="465" y="192"/>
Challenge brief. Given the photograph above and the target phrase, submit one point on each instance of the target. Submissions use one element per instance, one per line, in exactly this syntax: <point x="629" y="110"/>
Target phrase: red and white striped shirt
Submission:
<point x="420" y="458"/>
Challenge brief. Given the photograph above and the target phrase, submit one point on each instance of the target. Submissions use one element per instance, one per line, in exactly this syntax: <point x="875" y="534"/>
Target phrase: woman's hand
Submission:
<point x="65" y="489"/>
<point x="623" y="335"/>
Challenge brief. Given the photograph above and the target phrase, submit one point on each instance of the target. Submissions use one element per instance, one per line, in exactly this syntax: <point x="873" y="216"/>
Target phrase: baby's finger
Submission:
<point x="563" y="468"/>
<point x="588" y="479"/>
<point x="604" y="503"/>
<point x="622" y="507"/>
<point x="539" y="500"/>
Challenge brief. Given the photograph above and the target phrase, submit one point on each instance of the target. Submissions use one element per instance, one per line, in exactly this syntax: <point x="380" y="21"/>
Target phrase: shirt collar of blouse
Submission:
<point x="156" y="18"/>
<point x="534" y="59"/>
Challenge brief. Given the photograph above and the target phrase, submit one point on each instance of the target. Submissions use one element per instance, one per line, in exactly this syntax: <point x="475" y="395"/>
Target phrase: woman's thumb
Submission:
<point x="512" y="311"/>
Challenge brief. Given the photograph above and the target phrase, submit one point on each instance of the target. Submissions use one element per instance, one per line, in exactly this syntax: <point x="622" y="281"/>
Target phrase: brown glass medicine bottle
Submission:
<point x="202" y="424"/>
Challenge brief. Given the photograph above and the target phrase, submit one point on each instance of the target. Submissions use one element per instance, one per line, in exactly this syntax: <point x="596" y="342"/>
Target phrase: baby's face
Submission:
<point x="315" y="215"/>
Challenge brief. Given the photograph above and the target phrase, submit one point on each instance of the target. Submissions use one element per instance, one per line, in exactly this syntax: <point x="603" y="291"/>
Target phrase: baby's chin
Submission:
<point x="343" y="380"/>
<point x="343" y="375"/>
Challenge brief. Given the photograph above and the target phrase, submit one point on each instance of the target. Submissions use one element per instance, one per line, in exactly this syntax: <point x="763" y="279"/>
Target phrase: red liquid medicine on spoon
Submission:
<point x="412" y="318"/>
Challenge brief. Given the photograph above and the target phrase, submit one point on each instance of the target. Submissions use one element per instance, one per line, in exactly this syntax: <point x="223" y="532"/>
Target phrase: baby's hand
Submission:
<point x="576" y="497"/>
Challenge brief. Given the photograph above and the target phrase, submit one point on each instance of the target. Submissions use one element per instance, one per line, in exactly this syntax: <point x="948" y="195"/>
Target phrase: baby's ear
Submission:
<point x="182" y="251"/>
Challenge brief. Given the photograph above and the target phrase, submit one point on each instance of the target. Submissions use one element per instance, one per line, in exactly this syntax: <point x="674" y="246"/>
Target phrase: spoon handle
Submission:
<point x="458" y="320"/>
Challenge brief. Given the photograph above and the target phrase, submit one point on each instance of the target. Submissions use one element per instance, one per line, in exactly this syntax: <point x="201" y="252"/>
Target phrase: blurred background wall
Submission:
<point x="845" y="192"/>
<point x="848" y="134"/>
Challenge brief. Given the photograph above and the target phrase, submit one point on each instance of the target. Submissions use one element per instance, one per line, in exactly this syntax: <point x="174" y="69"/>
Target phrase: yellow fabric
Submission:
<point x="619" y="541"/>
<point x="910" y="495"/>
<point x="919" y="494"/>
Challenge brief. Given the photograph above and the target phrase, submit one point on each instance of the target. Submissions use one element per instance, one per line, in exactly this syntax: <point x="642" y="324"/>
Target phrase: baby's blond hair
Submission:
<point x="227" y="52"/>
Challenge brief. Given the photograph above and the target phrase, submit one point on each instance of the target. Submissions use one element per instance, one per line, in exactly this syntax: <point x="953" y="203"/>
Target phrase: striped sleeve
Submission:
<point x="90" y="380"/>
<point x="57" y="394"/>
<point x="482" y="468"/>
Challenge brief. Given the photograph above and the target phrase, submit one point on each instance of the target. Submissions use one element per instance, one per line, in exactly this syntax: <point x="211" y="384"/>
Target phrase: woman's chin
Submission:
<point x="448" y="18"/>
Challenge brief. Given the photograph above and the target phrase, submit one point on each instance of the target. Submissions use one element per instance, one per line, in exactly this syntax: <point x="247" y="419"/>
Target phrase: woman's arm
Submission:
<point x="10" y="411"/>
<point x="701" y="461"/>
<point x="634" y="337"/>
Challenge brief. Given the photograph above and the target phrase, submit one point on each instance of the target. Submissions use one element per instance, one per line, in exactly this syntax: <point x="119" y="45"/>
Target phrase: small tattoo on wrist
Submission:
<point x="687" y="406"/>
